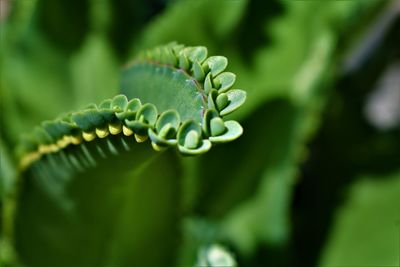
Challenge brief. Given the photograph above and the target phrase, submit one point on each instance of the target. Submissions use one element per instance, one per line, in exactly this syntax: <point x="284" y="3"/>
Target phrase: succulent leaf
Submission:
<point x="119" y="103"/>
<point x="222" y="101"/>
<point x="190" y="141"/>
<point x="208" y="116"/>
<point x="196" y="54"/>
<point x="106" y="104"/>
<point x="224" y="81"/>
<point x="232" y="130"/>
<point x="236" y="98"/>
<point x="132" y="108"/>
<point x="208" y="85"/>
<point x="217" y="126"/>
<point x="216" y="64"/>
<point x="176" y="83"/>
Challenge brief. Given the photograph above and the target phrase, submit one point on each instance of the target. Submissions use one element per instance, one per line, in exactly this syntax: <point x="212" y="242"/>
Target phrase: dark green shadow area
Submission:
<point x="110" y="215"/>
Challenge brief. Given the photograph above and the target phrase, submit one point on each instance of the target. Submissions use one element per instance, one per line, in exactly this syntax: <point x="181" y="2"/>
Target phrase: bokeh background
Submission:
<point x="314" y="180"/>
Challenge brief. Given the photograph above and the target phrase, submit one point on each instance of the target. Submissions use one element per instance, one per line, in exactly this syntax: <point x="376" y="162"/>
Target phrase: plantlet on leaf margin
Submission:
<point x="173" y="95"/>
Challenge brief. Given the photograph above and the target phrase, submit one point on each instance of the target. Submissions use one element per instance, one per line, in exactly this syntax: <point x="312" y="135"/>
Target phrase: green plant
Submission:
<point x="140" y="178"/>
<point x="177" y="84"/>
<point x="185" y="95"/>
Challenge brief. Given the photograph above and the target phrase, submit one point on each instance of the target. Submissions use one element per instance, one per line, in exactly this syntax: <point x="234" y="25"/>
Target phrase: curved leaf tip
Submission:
<point x="127" y="116"/>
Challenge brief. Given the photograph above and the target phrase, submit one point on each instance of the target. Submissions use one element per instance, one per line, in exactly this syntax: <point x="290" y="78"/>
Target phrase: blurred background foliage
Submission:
<point x="314" y="180"/>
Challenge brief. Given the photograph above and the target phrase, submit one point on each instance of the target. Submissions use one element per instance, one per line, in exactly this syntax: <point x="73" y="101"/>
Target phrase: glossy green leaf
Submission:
<point x="224" y="81"/>
<point x="190" y="140"/>
<point x="236" y="98"/>
<point x="232" y="130"/>
<point x="196" y="54"/>
<point x="132" y="108"/>
<point x="119" y="103"/>
<point x="166" y="129"/>
<point x="216" y="64"/>
<point x="135" y="84"/>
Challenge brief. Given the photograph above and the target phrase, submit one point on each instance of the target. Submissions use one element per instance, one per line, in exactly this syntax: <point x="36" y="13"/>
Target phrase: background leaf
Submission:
<point x="366" y="228"/>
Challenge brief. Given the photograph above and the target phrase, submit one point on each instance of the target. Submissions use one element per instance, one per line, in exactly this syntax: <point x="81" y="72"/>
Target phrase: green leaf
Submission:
<point x="119" y="103"/>
<point x="166" y="128"/>
<point x="216" y="64"/>
<point x="132" y="108"/>
<point x="236" y="99"/>
<point x="145" y="82"/>
<point x="111" y="215"/>
<point x="190" y="140"/>
<point x="232" y="131"/>
<point x="367" y="226"/>
<point x="224" y="81"/>
<point x="146" y="118"/>
<point x="196" y="54"/>
<point x="63" y="170"/>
